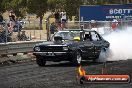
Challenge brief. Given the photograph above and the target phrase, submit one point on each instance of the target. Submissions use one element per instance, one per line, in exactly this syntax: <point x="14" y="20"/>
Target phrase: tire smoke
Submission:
<point x="120" y="44"/>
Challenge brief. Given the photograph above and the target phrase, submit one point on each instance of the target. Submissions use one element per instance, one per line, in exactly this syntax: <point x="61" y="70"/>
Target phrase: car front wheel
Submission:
<point x="40" y="61"/>
<point x="77" y="58"/>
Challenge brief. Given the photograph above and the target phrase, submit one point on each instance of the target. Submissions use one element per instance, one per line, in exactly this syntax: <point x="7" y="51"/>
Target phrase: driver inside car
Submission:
<point x="88" y="37"/>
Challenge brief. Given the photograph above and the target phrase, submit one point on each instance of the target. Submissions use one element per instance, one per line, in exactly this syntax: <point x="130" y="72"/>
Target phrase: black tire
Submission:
<point x="76" y="58"/>
<point x="40" y="61"/>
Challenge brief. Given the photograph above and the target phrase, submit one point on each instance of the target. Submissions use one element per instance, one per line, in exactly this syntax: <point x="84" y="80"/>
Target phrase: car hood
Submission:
<point x="51" y="43"/>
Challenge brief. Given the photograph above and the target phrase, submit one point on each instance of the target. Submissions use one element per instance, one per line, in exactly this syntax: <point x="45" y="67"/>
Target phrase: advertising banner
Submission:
<point x="105" y="12"/>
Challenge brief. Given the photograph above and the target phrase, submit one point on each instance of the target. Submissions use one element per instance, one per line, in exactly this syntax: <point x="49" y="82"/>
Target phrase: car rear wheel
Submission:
<point x="76" y="58"/>
<point x="40" y="61"/>
<point x="104" y="54"/>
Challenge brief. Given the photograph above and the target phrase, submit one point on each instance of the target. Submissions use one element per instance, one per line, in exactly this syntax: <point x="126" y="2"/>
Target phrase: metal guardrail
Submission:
<point x="17" y="47"/>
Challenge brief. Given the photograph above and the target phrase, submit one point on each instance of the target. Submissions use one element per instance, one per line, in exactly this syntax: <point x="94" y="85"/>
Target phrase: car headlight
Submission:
<point x="37" y="48"/>
<point x="65" y="48"/>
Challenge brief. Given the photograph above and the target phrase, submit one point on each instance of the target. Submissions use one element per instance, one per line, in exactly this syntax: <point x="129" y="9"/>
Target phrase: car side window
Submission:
<point x="95" y="36"/>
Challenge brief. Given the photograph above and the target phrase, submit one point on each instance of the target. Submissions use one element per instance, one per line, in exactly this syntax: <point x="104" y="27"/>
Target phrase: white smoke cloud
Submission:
<point x="120" y="44"/>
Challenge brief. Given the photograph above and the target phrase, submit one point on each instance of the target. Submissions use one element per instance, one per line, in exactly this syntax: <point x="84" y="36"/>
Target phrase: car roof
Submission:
<point x="86" y="30"/>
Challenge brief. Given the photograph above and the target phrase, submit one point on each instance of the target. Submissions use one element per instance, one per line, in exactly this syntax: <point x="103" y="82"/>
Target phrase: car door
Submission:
<point x="87" y="46"/>
<point x="98" y="39"/>
<point x="97" y="42"/>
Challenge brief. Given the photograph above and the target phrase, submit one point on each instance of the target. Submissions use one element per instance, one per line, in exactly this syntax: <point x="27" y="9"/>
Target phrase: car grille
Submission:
<point x="52" y="49"/>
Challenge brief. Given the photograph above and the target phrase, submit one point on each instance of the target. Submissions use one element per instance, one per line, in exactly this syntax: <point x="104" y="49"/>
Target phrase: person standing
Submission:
<point x="57" y="19"/>
<point x="114" y="24"/>
<point x="17" y="27"/>
<point x="11" y="21"/>
<point x="11" y="16"/>
<point x="52" y="29"/>
<point x="2" y="32"/>
<point x="1" y="18"/>
<point x="63" y="19"/>
<point x="1" y="22"/>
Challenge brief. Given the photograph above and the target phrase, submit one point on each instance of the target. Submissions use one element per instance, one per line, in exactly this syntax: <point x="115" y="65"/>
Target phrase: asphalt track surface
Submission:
<point x="58" y="75"/>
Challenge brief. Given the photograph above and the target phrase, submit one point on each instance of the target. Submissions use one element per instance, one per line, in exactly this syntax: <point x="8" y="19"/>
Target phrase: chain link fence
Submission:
<point x="99" y="26"/>
<point x="21" y="31"/>
<point x="103" y="27"/>
<point x="30" y="31"/>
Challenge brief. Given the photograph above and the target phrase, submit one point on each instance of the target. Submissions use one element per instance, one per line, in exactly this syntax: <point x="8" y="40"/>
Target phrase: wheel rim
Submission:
<point x="79" y="58"/>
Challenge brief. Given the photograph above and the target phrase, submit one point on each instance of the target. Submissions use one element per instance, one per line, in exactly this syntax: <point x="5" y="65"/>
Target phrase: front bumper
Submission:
<point x="54" y="56"/>
<point x="50" y="54"/>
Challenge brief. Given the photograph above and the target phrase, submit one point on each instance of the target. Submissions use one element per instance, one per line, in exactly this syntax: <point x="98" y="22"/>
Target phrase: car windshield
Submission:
<point x="67" y="35"/>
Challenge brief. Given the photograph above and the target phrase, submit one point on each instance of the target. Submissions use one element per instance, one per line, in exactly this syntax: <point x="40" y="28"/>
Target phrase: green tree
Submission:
<point x="38" y="7"/>
<point x="1" y="7"/>
<point x="70" y="6"/>
<point x="4" y="5"/>
<point x="18" y="6"/>
<point x="55" y="4"/>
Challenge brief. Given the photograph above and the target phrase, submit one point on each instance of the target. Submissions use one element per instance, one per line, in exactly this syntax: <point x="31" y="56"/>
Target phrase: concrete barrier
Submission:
<point x="17" y="47"/>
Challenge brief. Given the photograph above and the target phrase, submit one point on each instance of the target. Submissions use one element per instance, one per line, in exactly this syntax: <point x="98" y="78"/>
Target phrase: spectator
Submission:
<point x="2" y="36"/>
<point x="52" y="29"/>
<point x="22" y="36"/>
<point x="11" y="21"/>
<point x="1" y="18"/>
<point x="63" y="19"/>
<point x="57" y="19"/>
<point x="114" y="24"/>
<point x="11" y="16"/>
<point x="17" y="27"/>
